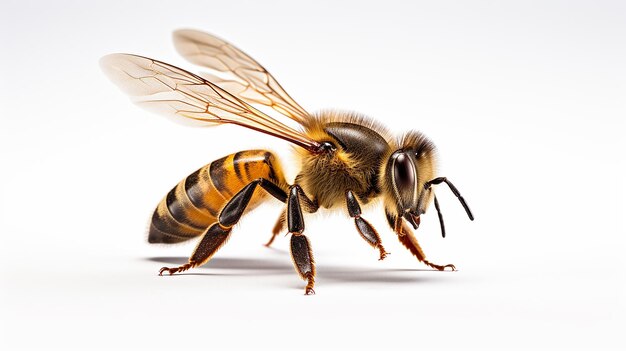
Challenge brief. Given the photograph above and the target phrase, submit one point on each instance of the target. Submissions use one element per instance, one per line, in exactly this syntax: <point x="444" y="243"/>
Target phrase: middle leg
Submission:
<point x="363" y="227"/>
<point x="301" y="252"/>
<point x="310" y="206"/>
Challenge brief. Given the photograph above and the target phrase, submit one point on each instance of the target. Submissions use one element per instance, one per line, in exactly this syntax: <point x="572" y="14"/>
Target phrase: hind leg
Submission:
<point x="217" y="234"/>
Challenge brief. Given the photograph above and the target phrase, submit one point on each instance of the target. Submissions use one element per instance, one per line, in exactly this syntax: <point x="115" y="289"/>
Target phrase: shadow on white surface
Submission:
<point x="332" y="273"/>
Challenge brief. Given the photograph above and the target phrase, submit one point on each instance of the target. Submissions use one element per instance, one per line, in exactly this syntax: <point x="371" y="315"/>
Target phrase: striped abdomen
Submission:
<point x="194" y="203"/>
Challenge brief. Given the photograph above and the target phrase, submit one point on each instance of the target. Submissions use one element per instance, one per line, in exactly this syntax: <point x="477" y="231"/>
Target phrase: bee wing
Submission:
<point x="254" y="83"/>
<point x="172" y="91"/>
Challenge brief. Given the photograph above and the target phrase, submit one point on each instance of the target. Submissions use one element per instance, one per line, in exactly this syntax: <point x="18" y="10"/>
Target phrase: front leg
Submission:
<point x="408" y="239"/>
<point x="362" y="226"/>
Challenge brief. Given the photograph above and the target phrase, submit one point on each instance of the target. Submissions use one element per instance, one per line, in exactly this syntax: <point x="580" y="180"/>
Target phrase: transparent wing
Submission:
<point x="254" y="84"/>
<point x="172" y="91"/>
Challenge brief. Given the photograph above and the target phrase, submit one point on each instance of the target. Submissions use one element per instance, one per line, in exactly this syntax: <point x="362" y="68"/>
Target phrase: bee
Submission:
<point x="346" y="159"/>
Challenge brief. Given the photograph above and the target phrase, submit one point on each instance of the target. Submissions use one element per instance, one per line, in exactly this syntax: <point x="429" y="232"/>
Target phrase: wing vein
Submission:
<point x="175" y="92"/>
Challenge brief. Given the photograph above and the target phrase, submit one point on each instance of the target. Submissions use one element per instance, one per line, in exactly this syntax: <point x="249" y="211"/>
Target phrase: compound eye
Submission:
<point x="405" y="179"/>
<point x="404" y="171"/>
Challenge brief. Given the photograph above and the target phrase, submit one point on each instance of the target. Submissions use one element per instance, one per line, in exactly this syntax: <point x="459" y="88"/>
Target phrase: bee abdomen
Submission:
<point x="194" y="203"/>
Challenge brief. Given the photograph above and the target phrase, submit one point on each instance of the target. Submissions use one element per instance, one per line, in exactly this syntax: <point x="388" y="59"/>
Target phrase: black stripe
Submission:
<point x="195" y="194"/>
<point x="246" y="168"/>
<point x="236" y="164"/>
<point x="267" y="158"/>
<point x="156" y="235"/>
<point x="169" y="225"/>
<point x="218" y="175"/>
<point x="177" y="211"/>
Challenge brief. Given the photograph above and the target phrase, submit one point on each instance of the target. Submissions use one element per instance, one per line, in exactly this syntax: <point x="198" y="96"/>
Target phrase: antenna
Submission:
<point x="456" y="193"/>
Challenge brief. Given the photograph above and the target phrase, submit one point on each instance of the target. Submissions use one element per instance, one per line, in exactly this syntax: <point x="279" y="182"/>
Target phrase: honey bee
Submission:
<point x="345" y="159"/>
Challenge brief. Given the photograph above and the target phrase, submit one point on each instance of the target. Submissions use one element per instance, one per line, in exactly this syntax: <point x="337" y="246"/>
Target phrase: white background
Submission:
<point x="525" y="101"/>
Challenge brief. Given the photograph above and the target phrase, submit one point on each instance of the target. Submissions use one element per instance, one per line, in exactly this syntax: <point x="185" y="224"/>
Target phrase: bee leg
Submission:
<point x="212" y="240"/>
<point x="217" y="234"/>
<point x="365" y="229"/>
<point x="278" y="228"/>
<point x="408" y="239"/>
<point x="310" y="206"/>
<point x="300" y="247"/>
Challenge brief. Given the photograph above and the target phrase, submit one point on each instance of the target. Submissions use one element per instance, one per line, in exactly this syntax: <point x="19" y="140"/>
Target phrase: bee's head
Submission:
<point x="406" y="171"/>
<point x="408" y="175"/>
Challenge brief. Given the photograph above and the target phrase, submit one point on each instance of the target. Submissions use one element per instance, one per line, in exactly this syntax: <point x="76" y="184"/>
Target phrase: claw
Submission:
<point x="451" y="266"/>
<point x="439" y="267"/>
<point x="169" y="270"/>
<point x="443" y="268"/>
